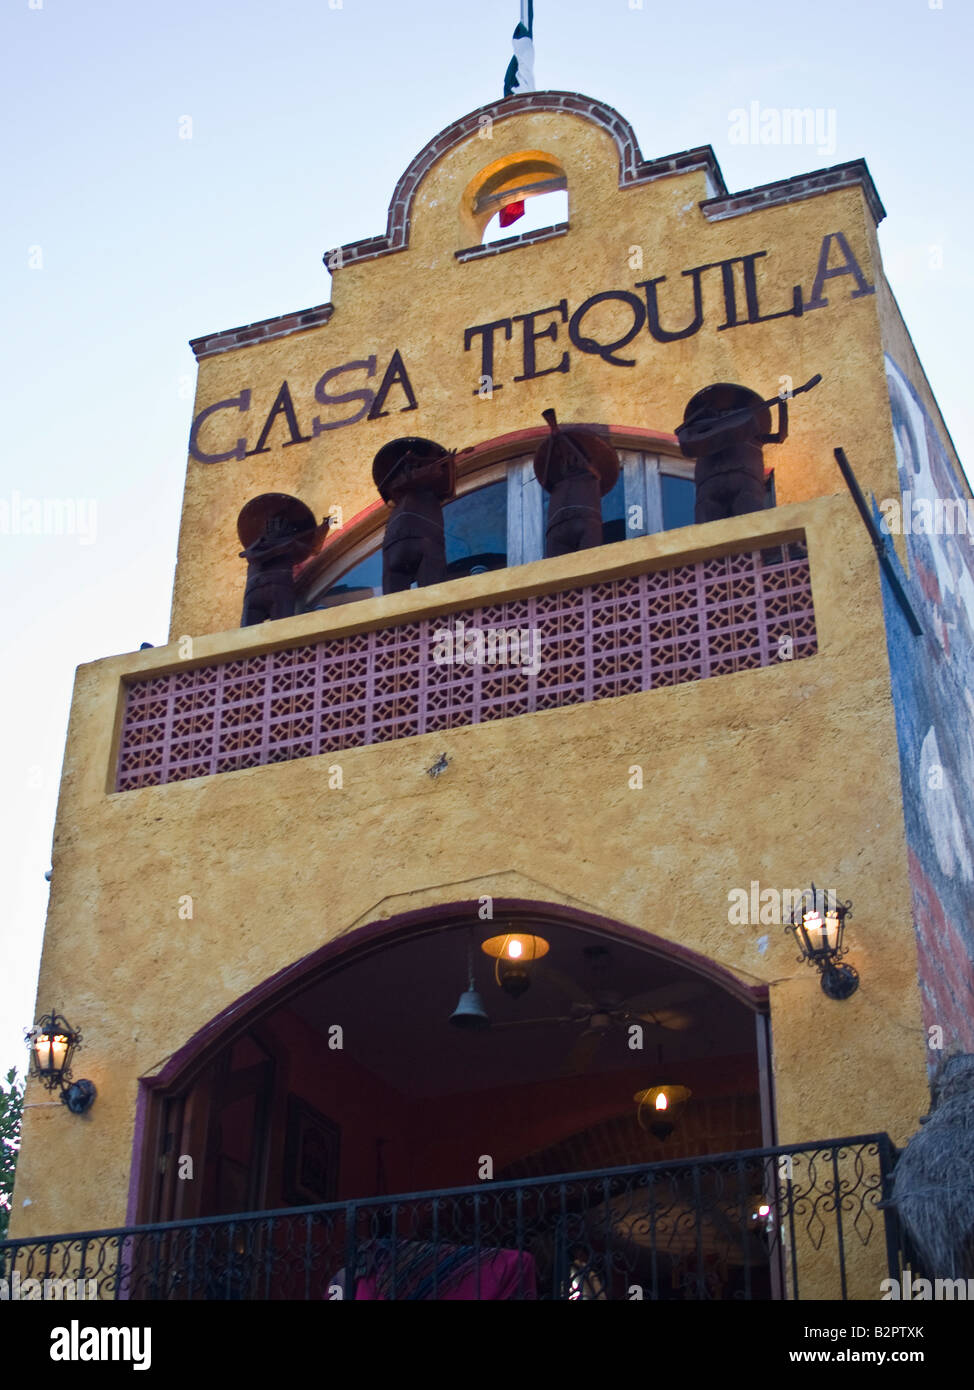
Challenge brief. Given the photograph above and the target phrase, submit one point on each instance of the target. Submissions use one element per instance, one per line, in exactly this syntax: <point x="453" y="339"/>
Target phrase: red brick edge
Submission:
<point x="278" y="327"/>
<point x="791" y="190"/>
<point x="633" y="169"/>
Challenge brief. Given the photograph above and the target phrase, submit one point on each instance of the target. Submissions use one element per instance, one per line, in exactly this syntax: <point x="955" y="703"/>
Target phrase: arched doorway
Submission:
<point x="343" y="1077"/>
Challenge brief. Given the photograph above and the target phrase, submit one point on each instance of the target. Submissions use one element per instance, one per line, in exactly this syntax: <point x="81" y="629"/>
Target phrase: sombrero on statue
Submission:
<point x="596" y="449"/>
<point x="725" y="395"/>
<point x="255" y="514"/>
<point x="392" y="456"/>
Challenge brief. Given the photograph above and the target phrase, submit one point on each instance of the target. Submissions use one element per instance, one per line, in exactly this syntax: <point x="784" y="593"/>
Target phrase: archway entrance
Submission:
<point x="349" y="1081"/>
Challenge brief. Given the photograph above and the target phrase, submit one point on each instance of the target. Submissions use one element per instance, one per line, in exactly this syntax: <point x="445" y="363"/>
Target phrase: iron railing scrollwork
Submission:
<point x="797" y="1221"/>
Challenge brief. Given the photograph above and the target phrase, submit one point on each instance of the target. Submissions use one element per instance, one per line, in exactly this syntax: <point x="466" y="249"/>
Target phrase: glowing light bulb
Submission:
<point x="661" y="1101"/>
<point x="763" y="1209"/>
<point x="51" y="1050"/>
<point x="514" y="949"/>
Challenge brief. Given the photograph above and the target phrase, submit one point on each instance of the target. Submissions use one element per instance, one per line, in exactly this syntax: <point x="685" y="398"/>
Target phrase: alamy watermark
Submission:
<point x="767" y="907"/>
<point x="915" y="1290"/>
<point x="491" y="646"/>
<point x="49" y="516"/>
<point x="77" y="1343"/>
<point x="18" y="1290"/>
<point x="925" y="516"/>
<point x="755" y="124"/>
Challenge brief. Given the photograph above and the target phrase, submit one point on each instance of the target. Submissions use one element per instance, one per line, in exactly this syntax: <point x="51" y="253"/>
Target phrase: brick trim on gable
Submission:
<point x="792" y="190"/>
<point x="279" y="327"/>
<point x="633" y="170"/>
<point x="508" y="243"/>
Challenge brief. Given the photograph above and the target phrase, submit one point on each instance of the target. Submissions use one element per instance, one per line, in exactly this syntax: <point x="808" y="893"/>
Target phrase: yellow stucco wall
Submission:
<point x="420" y="301"/>
<point x="277" y="864"/>
<point x="779" y="775"/>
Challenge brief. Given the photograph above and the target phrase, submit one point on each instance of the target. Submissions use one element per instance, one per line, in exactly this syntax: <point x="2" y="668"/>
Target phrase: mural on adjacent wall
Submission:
<point x="933" y="692"/>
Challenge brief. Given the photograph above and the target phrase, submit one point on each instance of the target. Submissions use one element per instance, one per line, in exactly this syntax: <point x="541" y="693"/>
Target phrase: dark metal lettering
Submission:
<point x="606" y="350"/>
<point x="531" y="336"/>
<point x="364" y="394"/>
<point x="239" y="450"/>
<point x="661" y="334"/>
<point x="283" y="405"/>
<point x="487" y="330"/>
<point x="850" y="266"/>
<point x="754" y="314"/>
<point x="395" y="375"/>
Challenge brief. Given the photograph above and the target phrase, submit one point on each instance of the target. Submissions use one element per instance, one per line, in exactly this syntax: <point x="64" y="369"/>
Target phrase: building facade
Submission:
<point x="279" y="849"/>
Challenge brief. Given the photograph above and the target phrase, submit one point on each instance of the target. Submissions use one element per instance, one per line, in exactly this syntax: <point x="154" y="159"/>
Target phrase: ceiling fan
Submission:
<point x="607" y="1011"/>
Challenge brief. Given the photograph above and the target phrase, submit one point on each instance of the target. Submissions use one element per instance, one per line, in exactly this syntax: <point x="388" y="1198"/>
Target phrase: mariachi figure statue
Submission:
<point x="414" y="477"/>
<point x="576" y="467"/>
<point x="724" y="428"/>
<point x="277" y="533"/>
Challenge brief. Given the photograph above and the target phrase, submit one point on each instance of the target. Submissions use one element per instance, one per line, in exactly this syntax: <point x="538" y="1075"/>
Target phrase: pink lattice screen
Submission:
<point x="612" y="638"/>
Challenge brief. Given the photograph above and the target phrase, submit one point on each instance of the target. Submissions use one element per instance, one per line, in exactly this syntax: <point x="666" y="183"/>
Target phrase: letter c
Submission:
<point x="239" y="451"/>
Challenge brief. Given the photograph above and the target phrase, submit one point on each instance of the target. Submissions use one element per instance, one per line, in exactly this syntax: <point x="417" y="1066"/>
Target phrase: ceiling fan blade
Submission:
<point x="671" y="1019"/>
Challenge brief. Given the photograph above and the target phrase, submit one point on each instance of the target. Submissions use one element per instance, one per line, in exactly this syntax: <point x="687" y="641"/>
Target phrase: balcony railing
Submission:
<point x="794" y="1222"/>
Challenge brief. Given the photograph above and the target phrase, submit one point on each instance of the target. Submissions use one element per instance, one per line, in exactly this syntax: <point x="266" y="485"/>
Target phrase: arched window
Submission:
<point x="476" y="529"/>
<point x="527" y="215"/>
<point x="500" y="521"/>
<point x="520" y="193"/>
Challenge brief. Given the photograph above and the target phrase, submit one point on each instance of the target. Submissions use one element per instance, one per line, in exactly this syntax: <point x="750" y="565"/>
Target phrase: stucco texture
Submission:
<point x="420" y="300"/>
<point x="779" y="775"/>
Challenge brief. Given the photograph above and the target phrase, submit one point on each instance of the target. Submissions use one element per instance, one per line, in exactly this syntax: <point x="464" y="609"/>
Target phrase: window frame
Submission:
<point x="642" y="472"/>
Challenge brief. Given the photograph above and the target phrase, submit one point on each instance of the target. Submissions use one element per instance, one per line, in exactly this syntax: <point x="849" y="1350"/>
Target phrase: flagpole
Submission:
<point x="520" y="72"/>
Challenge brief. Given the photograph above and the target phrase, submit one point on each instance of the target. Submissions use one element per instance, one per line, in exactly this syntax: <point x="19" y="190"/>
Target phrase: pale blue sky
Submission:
<point x="304" y="114"/>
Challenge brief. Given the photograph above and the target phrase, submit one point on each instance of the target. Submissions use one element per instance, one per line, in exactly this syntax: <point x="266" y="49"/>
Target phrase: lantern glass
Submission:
<point x="820" y="928"/>
<point x="833" y="930"/>
<point x="814" y="929"/>
<point x="51" y="1051"/>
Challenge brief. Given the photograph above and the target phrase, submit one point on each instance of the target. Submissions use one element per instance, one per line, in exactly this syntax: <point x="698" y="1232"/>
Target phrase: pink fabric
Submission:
<point x="503" y="1274"/>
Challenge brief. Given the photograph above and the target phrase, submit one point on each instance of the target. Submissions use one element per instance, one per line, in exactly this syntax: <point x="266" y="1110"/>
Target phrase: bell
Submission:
<point x="470" y="1012"/>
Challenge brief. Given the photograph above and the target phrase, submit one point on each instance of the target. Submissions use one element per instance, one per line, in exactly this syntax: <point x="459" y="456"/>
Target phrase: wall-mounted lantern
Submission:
<point x="52" y="1043"/>
<point x="818" y="925"/>
<point x="514" y="952"/>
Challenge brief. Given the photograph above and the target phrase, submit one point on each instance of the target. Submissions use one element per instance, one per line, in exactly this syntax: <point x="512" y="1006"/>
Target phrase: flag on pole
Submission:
<point x="520" y="71"/>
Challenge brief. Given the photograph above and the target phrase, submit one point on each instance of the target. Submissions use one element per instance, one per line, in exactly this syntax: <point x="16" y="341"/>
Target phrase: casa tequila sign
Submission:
<point x="541" y="343"/>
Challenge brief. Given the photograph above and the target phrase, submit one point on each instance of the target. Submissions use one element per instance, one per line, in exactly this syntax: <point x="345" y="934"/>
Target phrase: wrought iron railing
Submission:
<point x="795" y="1222"/>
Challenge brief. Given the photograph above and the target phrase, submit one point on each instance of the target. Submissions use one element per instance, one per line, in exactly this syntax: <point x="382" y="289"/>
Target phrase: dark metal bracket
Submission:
<point x="879" y="543"/>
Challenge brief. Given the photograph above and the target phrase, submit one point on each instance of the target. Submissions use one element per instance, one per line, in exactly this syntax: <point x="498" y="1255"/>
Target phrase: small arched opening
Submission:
<point x="521" y="192"/>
